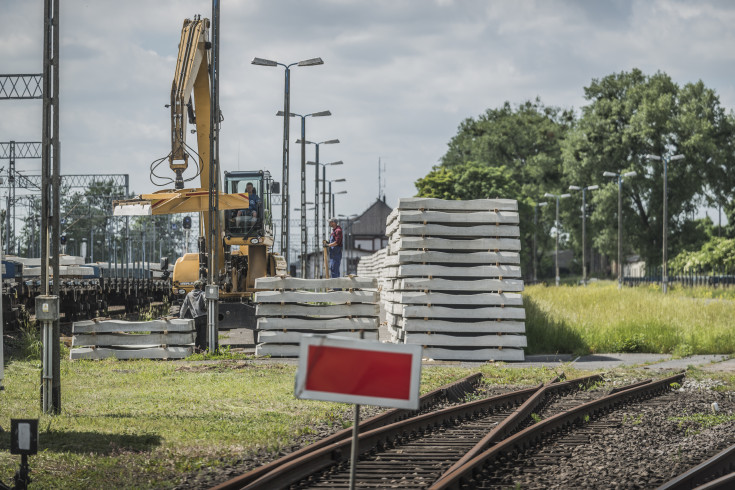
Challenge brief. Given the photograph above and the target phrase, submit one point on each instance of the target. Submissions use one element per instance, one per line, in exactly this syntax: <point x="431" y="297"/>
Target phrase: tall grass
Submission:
<point x="599" y="318"/>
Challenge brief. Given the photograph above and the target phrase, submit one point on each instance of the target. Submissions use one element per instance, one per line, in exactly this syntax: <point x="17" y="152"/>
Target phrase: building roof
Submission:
<point x="372" y="221"/>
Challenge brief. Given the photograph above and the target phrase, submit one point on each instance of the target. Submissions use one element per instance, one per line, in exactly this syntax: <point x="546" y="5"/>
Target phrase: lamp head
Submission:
<point x="609" y="174"/>
<point x="263" y="62"/>
<point x="652" y="157"/>
<point x="575" y="188"/>
<point x="630" y="174"/>
<point x="320" y="114"/>
<point x="311" y="62"/>
<point x="593" y="187"/>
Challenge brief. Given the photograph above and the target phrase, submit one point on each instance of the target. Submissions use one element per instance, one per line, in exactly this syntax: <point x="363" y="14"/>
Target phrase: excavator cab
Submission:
<point x="255" y="220"/>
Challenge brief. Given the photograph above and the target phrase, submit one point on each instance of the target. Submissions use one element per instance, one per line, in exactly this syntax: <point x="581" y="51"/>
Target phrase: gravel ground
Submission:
<point x="637" y="447"/>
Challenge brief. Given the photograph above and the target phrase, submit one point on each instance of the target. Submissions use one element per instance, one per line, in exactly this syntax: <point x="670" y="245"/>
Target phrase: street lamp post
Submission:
<point x="285" y="228"/>
<point x="303" y="181"/>
<point x="535" y="228"/>
<point x="666" y="159"/>
<point x="584" y="225"/>
<point x="340" y="192"/>
<point x="620" y="177"/>
<point x="317" y="231"/>
<point x="556" y="225"/>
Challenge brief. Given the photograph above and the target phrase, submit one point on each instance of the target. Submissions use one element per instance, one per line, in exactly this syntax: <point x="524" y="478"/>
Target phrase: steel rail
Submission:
<point x="720" y="468"/>
<point x="527" y="437"/>
<point x="726" y="482"/>
<point x="522" y="414"/>
<point x="452" y="391"/>
<point x="376" y="439"/>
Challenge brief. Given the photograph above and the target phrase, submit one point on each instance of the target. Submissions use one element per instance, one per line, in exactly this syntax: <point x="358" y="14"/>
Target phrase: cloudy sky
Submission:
<point x="399" y="75"/>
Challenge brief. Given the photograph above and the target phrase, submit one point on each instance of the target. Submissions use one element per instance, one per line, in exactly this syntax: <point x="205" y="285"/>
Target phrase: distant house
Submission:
<point x="363" y="235"/>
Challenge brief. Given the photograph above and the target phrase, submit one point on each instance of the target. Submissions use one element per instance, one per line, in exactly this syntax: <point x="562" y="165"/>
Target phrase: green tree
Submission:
<point x="508" y="152"/>
<point x="629" y="116"/>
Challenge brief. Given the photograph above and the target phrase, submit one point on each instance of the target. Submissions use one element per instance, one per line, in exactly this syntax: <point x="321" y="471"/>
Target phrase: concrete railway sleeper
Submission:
<point x="410" y="453"/>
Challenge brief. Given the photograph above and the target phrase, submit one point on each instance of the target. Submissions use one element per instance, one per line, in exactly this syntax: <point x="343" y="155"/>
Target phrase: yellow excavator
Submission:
<point x="243" y="226"/>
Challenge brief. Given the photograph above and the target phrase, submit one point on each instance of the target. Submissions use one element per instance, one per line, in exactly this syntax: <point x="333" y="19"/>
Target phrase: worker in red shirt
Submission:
<point x="335" y="247"/>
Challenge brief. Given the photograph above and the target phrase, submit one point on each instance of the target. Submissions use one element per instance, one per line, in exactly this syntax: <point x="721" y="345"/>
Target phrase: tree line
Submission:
<point x="523" y="151"/>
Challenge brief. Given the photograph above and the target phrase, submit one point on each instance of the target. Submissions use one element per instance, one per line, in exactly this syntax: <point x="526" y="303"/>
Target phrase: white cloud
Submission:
<point x="399" y="77"/>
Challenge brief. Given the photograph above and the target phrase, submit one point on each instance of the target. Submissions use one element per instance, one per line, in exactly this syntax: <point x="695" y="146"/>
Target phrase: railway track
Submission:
<point x="450" y="393"/>
<point x="414" y="452"/>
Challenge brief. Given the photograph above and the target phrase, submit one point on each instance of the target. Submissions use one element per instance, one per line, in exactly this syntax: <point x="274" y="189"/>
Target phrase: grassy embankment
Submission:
<point x="147" y="424"/>
<point x="599" y="318"/>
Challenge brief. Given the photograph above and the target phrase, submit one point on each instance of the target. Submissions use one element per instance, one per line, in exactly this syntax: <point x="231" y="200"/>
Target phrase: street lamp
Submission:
<point x="535" y="227"/>
<point x="324" y="187"/>
<point x="584" y="225"/>
<point x="340" y="192"/>
<point x="285" y="228"/>
<point x="556" y="225"/>
<point x="303" y="181"/>
<point x="348" y="243"/>
<point x="666" y="159"/>
<point x="330" y="196"/>
<point x="316" y="182"/>
<point x="620" y="177"/>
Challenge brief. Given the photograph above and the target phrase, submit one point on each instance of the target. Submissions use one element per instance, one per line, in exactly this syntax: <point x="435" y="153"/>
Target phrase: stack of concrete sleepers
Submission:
<point x="454" y="278"/>
<point x="372" y="265"/>
<point x="291" y="307"/>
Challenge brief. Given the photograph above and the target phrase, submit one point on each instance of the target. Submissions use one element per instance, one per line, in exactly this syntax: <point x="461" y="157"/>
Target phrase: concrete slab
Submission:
<point x="459" y="314"/>
<point x="313" y="297"/>
<point x="467" y="231"/>
<point x="286" y="282"/>
<point x="357" y="309"/>
<point x="479" y="285"/>
<point x="442" y="299"/>
<point x="317" y="324"/>
<point x="466" y="245"/>
<point x="468" y="205"/>
<point x="451" y="218"/>
<point x="432" y="257"/>
<point x="452" y="272"/>
<point x="443" y="340"/>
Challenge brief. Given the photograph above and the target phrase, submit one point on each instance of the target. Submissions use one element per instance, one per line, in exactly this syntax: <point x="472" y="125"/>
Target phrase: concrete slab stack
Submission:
<point x="291" y="307"/>
<point x="453" y="278"/>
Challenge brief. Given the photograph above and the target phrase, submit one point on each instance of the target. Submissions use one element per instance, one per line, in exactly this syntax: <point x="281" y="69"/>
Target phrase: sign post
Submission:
<point x="361" y="372"/>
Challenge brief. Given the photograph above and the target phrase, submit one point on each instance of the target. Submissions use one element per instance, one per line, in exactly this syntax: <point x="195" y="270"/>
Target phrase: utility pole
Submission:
<point x="556" y="225"/>
<point x="211" y="293"/>
<point x="584" y="225"/>
<point x="620" y="177"/>
<point x="51" y="382"/>
<point x="666" y="160"/>
<point x="535" y="228"/>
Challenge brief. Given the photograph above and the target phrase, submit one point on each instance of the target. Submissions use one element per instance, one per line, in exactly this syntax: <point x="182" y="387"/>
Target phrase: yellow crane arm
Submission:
<point x="179" y="201"/>
<point x="192" y="74"/>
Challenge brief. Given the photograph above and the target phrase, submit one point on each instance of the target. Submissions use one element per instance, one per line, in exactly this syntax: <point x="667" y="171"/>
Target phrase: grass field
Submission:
<point x="601" y="318"/>
<point x="147" y="424"/>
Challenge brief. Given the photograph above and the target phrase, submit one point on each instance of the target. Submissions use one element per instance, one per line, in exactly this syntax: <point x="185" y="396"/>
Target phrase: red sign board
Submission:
<point x="359" y="371"/>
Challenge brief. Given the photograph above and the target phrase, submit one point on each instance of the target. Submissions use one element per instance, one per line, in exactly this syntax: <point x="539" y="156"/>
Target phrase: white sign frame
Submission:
<point x="414" y="350"/>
